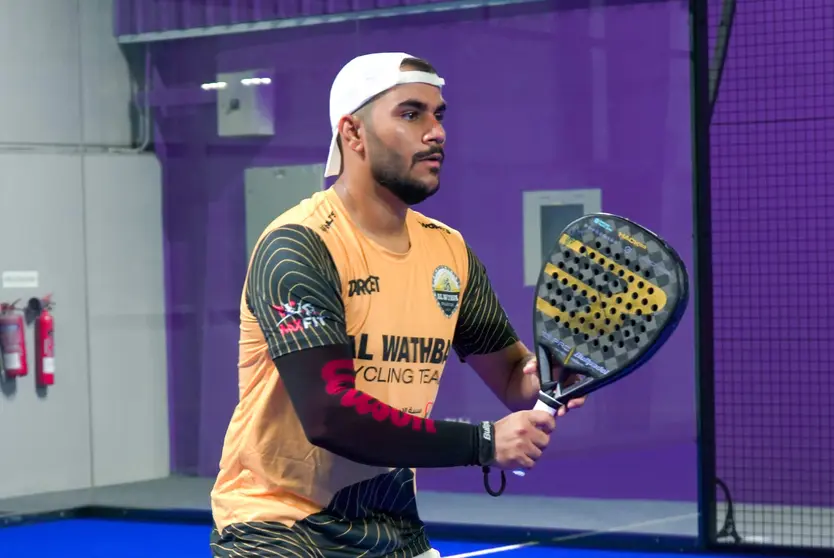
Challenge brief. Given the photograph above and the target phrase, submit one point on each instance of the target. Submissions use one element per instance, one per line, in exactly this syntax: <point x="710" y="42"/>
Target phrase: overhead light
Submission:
<point x="214" y="85"/>
<point x="256" y="81"/>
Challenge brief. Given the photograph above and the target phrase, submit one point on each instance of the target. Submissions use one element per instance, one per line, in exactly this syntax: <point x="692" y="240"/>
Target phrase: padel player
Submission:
<point x="351" y="306"/>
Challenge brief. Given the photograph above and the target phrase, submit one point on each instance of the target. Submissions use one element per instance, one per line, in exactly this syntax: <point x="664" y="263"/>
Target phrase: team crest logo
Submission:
<point x="446" y="288"/>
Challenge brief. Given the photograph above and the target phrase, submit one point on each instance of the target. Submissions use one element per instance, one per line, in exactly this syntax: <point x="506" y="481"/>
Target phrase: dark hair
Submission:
<point x="414" y="64"/>
<point x="417" y="64"/>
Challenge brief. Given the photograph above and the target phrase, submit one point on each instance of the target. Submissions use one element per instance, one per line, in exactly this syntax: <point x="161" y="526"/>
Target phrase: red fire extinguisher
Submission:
<point x="13" y="340"/>
<point x="45" y="343"/>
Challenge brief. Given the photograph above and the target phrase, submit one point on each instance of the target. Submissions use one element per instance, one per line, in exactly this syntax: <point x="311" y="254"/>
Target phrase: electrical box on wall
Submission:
<point x="270" y="191"/>
<point x="245" y="103"/>
<point x="545" y="214"/>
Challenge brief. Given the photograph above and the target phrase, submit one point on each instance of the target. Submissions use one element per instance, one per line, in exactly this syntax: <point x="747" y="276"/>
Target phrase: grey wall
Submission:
<point x="89" y="221"/>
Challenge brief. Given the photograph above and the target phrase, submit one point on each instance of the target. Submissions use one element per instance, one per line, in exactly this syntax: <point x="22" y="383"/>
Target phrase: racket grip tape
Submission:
<point x="540" y="406"/>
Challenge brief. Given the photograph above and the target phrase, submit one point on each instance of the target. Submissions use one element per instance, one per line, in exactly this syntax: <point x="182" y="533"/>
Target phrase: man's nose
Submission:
<point x="437" y="134"/>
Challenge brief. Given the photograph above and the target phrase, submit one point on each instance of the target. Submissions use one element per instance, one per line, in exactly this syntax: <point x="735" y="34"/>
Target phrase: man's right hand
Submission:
<point x="521" y="437"/>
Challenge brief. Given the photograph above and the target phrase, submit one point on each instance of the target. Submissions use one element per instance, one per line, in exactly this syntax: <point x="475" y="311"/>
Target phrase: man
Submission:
<point x="351" y="306"/>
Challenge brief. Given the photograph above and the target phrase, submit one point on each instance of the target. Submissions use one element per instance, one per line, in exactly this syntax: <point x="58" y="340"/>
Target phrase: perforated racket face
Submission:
<point x="608" y="296"/>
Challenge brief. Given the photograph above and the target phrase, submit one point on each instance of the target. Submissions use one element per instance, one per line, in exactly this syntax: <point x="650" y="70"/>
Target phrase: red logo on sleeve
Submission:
<point x="339" y="379"/>
<point x="297" y="317"/>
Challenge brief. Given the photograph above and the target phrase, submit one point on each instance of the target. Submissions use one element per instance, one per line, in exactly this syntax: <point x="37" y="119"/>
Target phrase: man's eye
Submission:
<point x="411" y="115"/>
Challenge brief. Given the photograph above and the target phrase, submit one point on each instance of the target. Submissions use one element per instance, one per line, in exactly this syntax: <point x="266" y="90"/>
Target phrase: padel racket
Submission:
<point x="608" y="297"/>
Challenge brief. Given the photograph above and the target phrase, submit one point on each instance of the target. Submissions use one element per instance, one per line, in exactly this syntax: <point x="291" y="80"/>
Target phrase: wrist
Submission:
<point x="523" y="389"/>
<point x="486" y="444"/>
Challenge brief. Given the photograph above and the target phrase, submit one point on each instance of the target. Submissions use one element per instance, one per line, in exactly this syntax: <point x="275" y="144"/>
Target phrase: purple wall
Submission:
<point x="148" y="16"/>
<point x="540" y="98"/>
<point x="773" y="195"/>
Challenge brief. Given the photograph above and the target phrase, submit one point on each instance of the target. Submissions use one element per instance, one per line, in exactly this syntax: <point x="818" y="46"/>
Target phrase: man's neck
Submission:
<point x="376" y="210"/>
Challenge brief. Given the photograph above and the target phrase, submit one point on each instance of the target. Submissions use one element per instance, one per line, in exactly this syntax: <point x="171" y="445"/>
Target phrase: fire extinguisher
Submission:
<point x="13" y="340"/>
<point x="44" y="340"/>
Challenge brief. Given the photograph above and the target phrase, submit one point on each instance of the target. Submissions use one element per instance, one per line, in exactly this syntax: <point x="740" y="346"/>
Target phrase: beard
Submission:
<point x="391" y="171"/>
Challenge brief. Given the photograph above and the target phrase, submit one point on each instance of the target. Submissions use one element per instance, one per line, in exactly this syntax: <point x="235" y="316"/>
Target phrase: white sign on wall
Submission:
<point x="20" y="280"/>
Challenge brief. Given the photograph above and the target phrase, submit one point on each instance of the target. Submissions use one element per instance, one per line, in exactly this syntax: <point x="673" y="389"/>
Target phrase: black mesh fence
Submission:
<point x="772" y="256"/>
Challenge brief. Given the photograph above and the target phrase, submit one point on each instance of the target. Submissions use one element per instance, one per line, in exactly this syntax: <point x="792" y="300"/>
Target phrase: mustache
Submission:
<point x="423" y="155"/>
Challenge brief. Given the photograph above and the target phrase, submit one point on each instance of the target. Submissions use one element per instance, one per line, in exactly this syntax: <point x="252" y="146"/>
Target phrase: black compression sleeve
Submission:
<point x="483" y="326"/>
<point x="350" y="423"/>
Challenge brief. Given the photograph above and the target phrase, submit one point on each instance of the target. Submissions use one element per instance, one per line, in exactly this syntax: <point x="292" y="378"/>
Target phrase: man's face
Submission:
<point x="405" y="140"/>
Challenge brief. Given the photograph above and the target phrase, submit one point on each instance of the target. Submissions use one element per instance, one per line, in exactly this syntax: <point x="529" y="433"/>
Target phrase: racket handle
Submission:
<point x="540" y="406"/>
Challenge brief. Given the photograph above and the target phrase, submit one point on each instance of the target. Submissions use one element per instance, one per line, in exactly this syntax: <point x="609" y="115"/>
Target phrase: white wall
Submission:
<point x="90" y="222"/>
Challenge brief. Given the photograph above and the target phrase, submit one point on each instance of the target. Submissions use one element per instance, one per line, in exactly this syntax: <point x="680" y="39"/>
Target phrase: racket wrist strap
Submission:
<point x="486" y="444"/>
<point x="486" y="456"/>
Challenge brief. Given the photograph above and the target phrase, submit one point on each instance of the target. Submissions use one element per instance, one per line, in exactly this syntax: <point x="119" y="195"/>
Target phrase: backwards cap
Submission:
<point x="361" y="79"/>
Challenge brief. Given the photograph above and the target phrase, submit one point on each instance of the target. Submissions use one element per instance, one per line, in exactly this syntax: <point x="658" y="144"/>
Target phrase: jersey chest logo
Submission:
<point x="445" y="287"/>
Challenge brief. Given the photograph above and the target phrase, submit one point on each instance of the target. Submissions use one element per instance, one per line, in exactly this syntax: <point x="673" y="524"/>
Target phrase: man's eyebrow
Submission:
<point x="419" y="105"/>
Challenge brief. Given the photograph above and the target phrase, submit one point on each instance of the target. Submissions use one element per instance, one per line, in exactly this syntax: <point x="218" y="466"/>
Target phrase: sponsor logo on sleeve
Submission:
<point x="297" y="317"/>
<point x="339" y="381"/>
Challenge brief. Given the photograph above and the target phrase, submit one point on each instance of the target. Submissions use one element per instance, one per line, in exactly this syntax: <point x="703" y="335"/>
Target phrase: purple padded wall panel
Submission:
<point x="145" y="16"/>
<point x="539" y="99"/>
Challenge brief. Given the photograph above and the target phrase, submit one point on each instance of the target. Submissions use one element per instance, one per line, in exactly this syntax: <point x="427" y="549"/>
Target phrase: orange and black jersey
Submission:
<point x="343" y="344"/>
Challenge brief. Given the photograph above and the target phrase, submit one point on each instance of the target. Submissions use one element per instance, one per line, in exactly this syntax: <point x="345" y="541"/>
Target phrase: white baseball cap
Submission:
<point x="361" y="79"/>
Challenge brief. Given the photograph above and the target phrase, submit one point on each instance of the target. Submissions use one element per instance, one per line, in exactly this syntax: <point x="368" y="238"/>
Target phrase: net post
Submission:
<point x="702" y="238"/>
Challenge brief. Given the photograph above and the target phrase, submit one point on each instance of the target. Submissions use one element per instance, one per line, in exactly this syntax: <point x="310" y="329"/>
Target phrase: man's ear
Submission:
<point x="351" y="129"/>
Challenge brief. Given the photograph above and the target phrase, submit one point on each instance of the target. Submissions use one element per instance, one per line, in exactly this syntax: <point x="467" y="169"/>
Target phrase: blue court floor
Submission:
<point x="96" y="538"/>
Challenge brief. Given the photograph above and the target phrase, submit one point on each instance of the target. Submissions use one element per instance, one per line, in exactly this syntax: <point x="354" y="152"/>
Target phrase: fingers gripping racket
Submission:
<point x="608" y="297"/>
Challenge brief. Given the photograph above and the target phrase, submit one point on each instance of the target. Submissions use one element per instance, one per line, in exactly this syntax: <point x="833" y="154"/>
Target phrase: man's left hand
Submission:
<point x="531" y="370"/>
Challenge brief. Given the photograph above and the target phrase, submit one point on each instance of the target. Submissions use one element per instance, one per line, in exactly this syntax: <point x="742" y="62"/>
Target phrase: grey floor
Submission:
<point x="188" y="493"/>
<point x="810" y="527"/>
